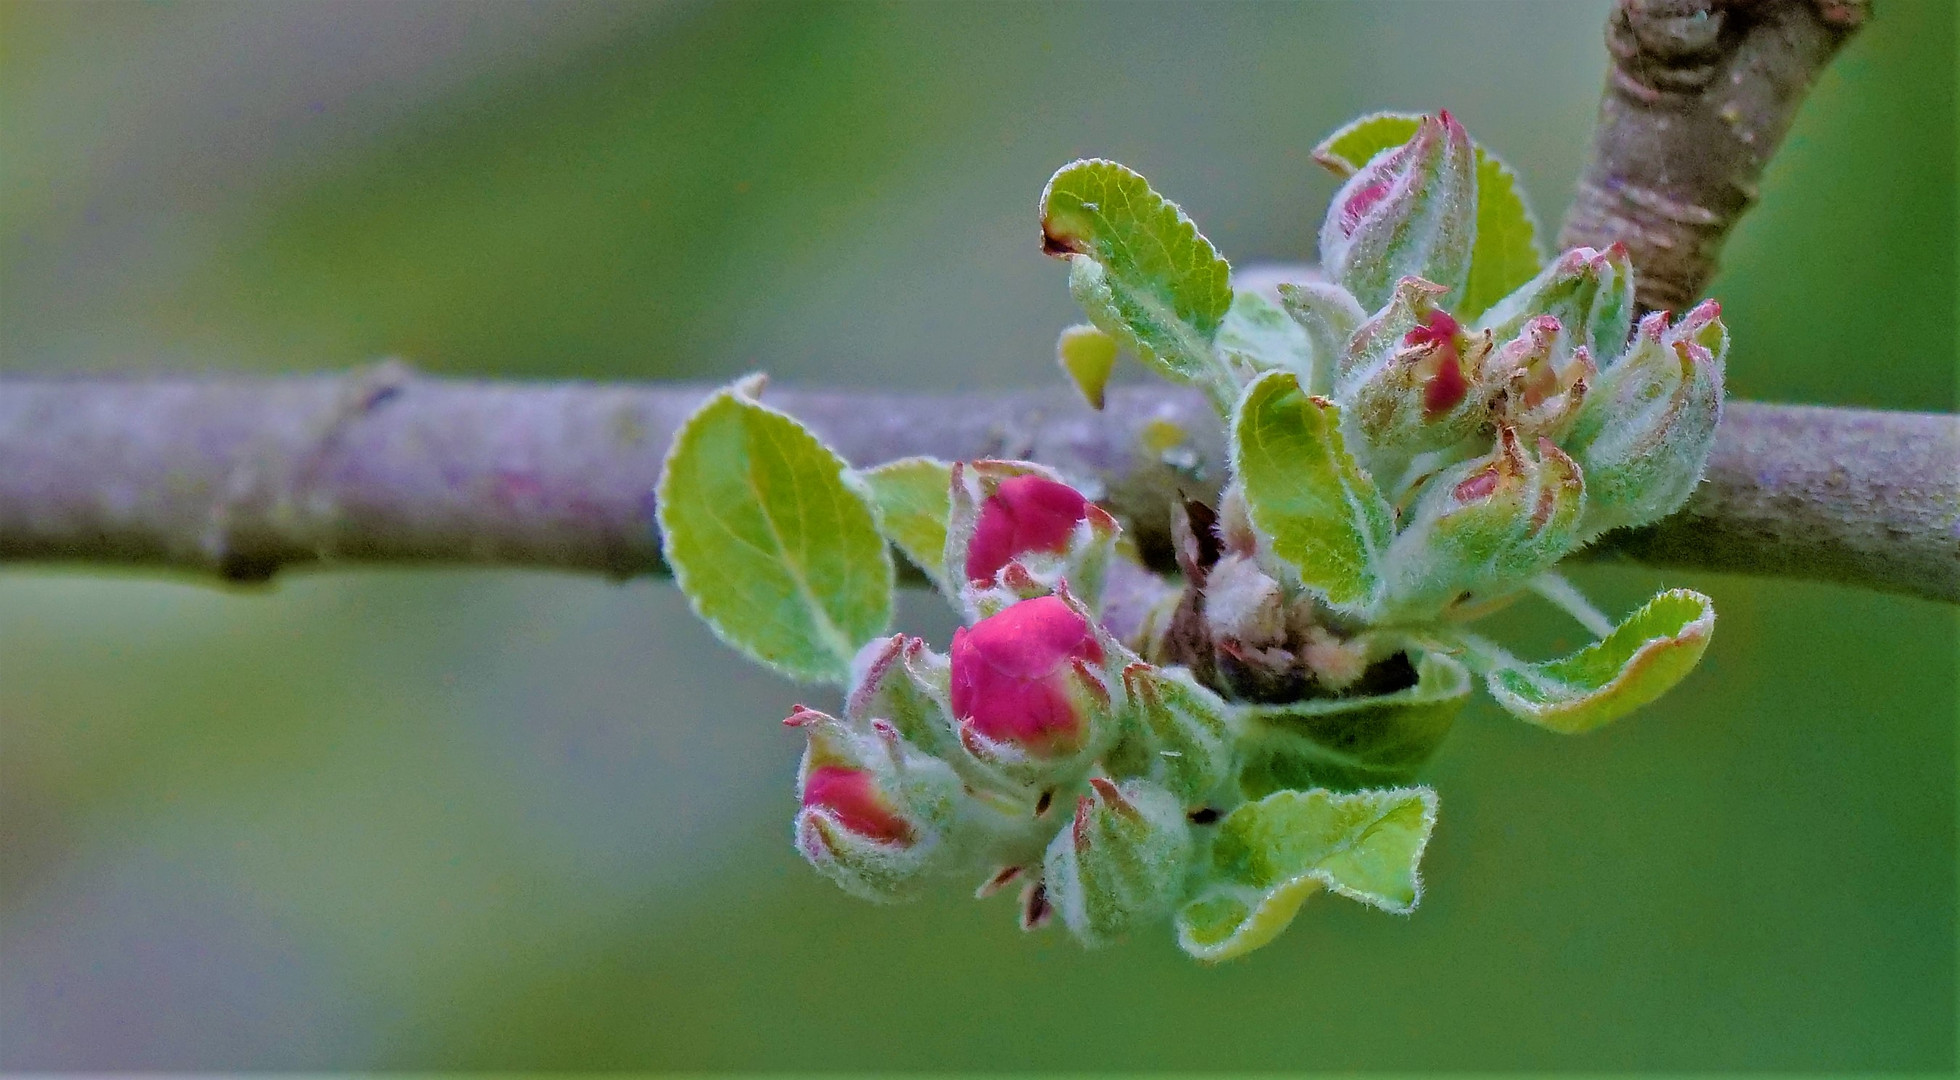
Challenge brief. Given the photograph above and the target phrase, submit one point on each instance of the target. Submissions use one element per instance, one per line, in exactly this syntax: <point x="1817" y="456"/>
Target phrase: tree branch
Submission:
<point x="1698" y="97"/>
<point x="241" y="477"/>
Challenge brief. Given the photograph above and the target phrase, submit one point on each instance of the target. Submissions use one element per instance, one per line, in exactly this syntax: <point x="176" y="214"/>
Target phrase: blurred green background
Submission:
<point x="470" y="819"/>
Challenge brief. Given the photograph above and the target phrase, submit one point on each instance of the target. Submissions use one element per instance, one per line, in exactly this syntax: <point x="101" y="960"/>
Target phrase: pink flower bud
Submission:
<point x="852" y="797"/>
<point x="1409" y="211"/>
<point x="1415" y="379"/>
<point x="1490" y="523"/>
<point x="1024" y="514"/>
<point x="874" y="812"/>
<point x="1026" y="679"/>
<point x="1016" y="531"/>
<point x="1589" y="292"/>
<point x="1644" y="436"/>
<point x="1546" y="378"/>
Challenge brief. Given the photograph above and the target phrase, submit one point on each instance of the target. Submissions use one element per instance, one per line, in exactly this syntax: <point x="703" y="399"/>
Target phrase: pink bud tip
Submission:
<point x="854" y="800"/>
<point x="802" y="716"/>
<point x="1025" y="514"/>
<point x="1015" y="678"/>
<point x="1479" y="485"/>
<point x="1444" y="386"/>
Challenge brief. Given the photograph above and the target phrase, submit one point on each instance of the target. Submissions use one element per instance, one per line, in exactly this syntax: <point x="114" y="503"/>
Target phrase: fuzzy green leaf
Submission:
<point x="1346" y="150"/>
<point x="1258" y="335"/>
<point x="1141" y="270"/>
<point x="1356" y="742"/>
<point x="1639" y="661"/>
<point x="913" y="498"/>
<point x="1270" y="855"/>
<point x="1506" y="254"/>
<point x="1304" y="490"/>
<point x="775" y="550"/>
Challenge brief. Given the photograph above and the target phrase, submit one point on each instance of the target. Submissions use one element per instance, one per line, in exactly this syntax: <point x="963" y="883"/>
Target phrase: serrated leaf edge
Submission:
<point x="743" y="392"/>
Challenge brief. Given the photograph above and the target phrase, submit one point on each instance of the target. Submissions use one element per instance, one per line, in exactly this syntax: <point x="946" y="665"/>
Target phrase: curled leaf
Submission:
<point x="1639" y="661"/>
<point x="1270" y="855"/>
<point x="1139" y="268"/>
<point x="1352" y="742"/>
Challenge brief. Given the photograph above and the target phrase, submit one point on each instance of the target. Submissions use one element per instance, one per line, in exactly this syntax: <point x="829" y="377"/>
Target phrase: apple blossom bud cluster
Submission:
<point x="1417" y="435"/>
<point x="1032" y="751"/>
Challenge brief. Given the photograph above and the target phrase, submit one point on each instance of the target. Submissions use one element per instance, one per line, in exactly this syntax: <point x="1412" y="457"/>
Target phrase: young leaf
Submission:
<point x="1270" y="855"/>
<point x="1506" y="254"/>
<point x="1258" y="335"/>
<point x="1303" y="490"/>
<point x="1140" y="268"/>
<point x="1087" y="356"/>
<point x="912" y="498"/>
<point x="1641" y="660"/>
<point x="1349" y="148"/>
<point x="774" y="549"/>
<point x="1350" y="743"/>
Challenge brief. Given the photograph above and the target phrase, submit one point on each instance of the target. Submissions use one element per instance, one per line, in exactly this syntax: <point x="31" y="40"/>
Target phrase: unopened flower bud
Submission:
<point x="1121" y="863"/>
<point x="1590" y="293"/>
<point x="1016" y="519"/>
<point x="1489" y="524"/>
<point x="1410" y="211"/>
<point x="1245" y="621"/>
<point x="874" y="812"/>
<point x="1028" y="688"/>
<point x="1545" y="380"/>
<point x="1178" y="733"/>
<point x="1645" y="433"/>
<point x="1415" y="385"/>
<point x="903" y="682"/>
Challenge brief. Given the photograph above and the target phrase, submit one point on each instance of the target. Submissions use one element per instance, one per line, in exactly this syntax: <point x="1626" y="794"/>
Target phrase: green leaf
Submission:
<point x="1270" y="855"/>
<point x="1141" y="270"/>
<point x="1639" y="661"/>
<point x="1351" y="743"/>
<point x="775" y="550"/>
<point x="912" y="497"/>
<point x="1506" y="254"/>
<point x="1305" y="491"/>
<point x="1349" y="148"/>
<point x="1258" y="335"/>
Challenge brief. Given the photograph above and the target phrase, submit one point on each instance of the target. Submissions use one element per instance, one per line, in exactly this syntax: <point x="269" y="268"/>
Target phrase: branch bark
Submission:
<point x="1699" y="95"/>
<point x="242" y="477"/>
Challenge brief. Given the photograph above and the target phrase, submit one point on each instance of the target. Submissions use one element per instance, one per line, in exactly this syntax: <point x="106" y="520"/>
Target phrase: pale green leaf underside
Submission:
<point x="1506" y="254"/>
<point x="1304" y="490"/>
<point x="774" y="549"/>
<point x="1265" y="336"/>
<point x="1270" y="855"/>
<point x="1639" y="661"/>
<point x="1349" y="743"/>
<point x="1157" y="284"/>
<point x="912" y="498"/>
